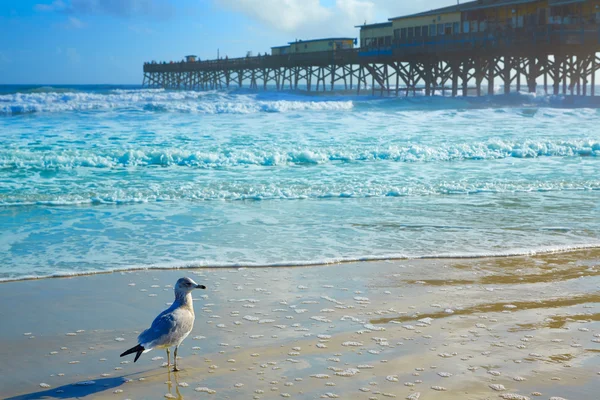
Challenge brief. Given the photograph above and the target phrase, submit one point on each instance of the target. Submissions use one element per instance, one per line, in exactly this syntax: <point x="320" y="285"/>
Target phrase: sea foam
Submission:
<point x="271" y="156"/>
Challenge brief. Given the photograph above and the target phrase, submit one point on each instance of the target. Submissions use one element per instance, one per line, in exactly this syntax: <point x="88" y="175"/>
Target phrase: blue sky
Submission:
<point x="107" y="41"/>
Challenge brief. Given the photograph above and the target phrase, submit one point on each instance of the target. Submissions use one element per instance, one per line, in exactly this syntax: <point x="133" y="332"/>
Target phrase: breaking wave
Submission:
<point x="262" y="191"/>
<point x="159" y="100"/>
<point x="243" y="101"/>
<point x="229" y="158"/>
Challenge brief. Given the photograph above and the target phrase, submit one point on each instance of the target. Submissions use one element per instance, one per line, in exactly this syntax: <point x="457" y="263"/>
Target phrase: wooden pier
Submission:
<point x="562" y="58"/>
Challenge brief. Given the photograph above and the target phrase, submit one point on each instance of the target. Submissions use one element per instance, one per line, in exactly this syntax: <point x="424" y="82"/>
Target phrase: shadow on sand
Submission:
<point x="74" y="390"/>
<point x="87" y="388"/>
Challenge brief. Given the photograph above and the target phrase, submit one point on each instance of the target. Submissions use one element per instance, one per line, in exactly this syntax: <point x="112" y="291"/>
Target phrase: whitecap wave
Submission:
<point x="227" y="158"/>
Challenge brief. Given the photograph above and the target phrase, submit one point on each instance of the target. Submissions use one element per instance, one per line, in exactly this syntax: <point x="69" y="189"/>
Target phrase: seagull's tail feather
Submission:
<point x="139" y="349"/>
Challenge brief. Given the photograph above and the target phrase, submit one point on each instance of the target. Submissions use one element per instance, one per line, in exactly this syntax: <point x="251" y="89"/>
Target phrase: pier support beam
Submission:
<point x="506" y="74"/>
<point x="593" y="73"/>
<point x="491" y="74"/>
<point x="428" y="78"/>
<point x="534" y="71"/>
<point x="465" y="77"/>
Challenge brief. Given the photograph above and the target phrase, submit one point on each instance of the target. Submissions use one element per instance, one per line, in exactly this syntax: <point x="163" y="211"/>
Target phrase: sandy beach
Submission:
<point x="508" y="328"/>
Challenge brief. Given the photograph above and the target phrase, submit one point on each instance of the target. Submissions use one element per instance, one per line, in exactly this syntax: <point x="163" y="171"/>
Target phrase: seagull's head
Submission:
<point x="186" y="285"/>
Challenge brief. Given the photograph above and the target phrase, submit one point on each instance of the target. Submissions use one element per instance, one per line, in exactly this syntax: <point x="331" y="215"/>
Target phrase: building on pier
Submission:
<point x="318" y="45"/>
<point x="313" y="46"/>
<point x="376" y="35"/>
<point x="441" y="22"/>
<point x="280" y="50"/>
<point x="478" y="16"/>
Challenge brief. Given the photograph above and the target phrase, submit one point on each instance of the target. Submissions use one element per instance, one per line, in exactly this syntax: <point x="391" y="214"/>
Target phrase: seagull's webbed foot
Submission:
<point x="175" y="369"/>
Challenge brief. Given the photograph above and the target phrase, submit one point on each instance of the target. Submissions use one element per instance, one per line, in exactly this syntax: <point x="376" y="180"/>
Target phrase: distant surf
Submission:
<point x="48" y="99"/>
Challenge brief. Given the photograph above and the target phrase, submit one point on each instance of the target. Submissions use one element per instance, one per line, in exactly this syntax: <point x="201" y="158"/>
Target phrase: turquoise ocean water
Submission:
<point x="99" y="178"/>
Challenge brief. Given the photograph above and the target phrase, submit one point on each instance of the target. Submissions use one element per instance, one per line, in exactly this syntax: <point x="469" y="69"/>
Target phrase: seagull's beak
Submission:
<point x="200" y="287"/>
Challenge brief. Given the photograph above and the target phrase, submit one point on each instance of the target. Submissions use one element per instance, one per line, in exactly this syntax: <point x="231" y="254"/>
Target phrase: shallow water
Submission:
<point x="104" y="178"/>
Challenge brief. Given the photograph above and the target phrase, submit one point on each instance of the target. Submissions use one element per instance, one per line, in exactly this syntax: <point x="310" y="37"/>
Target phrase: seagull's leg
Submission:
<point x="168" y="357"/>
<point x="175" y="369"/>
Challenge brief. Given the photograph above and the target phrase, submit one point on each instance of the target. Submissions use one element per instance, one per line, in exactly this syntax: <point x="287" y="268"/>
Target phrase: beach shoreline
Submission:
<point x="193" y="266"/>
<point x="443" y="328"/>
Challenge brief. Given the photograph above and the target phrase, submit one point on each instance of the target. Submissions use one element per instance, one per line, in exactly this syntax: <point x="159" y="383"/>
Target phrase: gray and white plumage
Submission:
<point x="172" y="326"/>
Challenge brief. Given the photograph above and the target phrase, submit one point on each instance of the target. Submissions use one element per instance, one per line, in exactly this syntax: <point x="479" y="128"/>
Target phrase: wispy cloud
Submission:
<point x="160" y="9"/>
<point x="312" y="18"/>
<point x="282" y="15"/>
<point x="74" y="23"/>
<point x="56" y="5"/>
<point x="393" y="8"/>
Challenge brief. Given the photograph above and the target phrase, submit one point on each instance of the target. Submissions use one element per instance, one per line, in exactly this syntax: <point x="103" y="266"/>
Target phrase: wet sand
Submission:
<point x="502" y="328"/>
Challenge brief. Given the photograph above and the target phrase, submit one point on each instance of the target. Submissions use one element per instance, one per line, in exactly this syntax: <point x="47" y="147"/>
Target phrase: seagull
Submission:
<point x="171" y="326"/>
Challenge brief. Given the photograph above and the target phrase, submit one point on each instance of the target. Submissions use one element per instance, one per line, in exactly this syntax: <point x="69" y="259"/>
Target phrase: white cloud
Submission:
<point x="313" y="18"/>
<point x="285" y="15"/>
<point x="393" y="8"/>
<point x="355" y="10"/>
<point x="61" y="7"/>
<point x="56" y="5"/>
<point x="306" y="18"/>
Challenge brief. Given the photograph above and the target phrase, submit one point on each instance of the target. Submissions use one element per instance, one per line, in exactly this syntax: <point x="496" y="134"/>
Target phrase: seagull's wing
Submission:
<point x="163" y="327"/>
